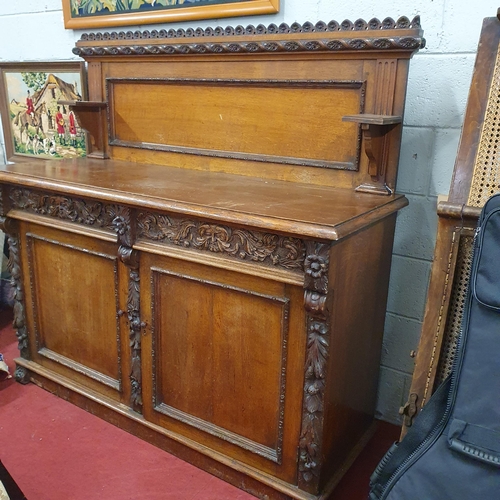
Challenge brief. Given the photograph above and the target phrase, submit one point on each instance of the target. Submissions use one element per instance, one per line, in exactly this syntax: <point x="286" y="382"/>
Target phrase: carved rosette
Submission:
<point x="316" y="268"/>
<point x="318" y="332"/>
<point x="22" y="375"/>
<point x="268" y="248"/>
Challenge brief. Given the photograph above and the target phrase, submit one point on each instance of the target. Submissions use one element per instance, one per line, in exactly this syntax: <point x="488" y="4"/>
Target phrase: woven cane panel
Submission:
<point x="456" y="308"/>
<point x="486" y="176"/>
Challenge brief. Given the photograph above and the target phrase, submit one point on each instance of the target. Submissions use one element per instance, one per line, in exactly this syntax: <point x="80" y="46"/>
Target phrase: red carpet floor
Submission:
<point x="57" y="451"/>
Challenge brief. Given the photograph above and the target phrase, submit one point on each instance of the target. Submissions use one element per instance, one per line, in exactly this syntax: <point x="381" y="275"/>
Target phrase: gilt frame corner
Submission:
<point x="196" y="10"/>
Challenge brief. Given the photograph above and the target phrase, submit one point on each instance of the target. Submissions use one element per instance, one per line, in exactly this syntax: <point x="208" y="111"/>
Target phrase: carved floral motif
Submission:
<point x="22" y="375"/>
<point x="248" y="245"/>
<point x="318" y="328"/>
<point x="90" y="213"/>
<point x="136" y="327"/>
<point x="316" y="267"/>
<point x="131" y="259"/>
<point x="312" y="420"/>
<point x="9" y="227"/>
<point x="19" y="322"/>
<point x="120" y="222"/>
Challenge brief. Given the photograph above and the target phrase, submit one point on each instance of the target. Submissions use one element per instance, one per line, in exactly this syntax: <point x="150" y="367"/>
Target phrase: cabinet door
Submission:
<point x="223" y="363"/>
<point x="72" y="285"/>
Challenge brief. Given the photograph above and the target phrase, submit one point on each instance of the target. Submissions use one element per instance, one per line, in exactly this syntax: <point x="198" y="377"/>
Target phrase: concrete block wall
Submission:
<point x="439" y="80"/>
<point x="438" y="88"/>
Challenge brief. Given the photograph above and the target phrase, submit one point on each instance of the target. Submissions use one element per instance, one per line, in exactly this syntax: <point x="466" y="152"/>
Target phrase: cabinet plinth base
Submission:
<point x="237" y="474"/>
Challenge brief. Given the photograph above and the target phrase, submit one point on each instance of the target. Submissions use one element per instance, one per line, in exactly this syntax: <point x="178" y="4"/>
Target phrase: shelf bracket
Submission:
<point x="375" y="130"/>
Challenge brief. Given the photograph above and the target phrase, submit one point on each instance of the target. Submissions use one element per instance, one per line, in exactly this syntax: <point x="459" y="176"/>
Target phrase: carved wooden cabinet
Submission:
<point x="213" y="277"/>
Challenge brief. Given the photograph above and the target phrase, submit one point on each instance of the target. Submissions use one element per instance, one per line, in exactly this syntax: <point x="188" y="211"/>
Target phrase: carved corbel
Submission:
<point x="316" y="304"/>
<point x="121" y="224"/>
<point x="375" y="130"/>
<point x="8" y="225"/>
<point x="92" y="117"/>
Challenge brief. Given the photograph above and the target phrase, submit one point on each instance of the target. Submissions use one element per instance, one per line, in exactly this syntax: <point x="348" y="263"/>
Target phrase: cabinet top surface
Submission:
<point x="302" y="209"/>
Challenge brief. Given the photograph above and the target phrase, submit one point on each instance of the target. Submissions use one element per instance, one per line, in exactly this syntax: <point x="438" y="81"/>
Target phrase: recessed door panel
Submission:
<point x="219" y="359"/>
<point x="74" y="295"/>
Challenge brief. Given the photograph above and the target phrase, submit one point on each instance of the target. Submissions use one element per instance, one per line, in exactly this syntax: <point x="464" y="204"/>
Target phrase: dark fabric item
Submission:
<point x="486" y="282"/>
<point x="10" y="486"/>
<point x="7" y="292"/>
<point x="455" y="452"/>
<point x="428" y="419"/>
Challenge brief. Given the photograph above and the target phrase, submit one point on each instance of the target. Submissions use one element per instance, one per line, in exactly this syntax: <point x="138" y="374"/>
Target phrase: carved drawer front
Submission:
<point x="72" y="288"/>
<point x="218" y="357"/>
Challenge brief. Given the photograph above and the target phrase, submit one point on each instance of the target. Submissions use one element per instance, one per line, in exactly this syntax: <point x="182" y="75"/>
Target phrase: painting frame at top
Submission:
<point x="35" y="125"/>
<point x="83" y="14"/>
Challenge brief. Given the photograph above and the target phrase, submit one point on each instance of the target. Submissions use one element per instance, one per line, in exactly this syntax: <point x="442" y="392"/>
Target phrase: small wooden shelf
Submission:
<point x="85" y="104"/>
<point x="370" y="119"/>
<point x="91" y="116"/>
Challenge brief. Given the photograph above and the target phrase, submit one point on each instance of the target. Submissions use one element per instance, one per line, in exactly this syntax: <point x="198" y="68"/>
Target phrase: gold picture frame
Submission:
<point x="35" y="125"/>
<point x="158" y="11"/>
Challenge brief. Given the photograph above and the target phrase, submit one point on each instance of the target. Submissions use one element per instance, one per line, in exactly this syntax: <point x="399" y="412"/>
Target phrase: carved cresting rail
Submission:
<point x="356" y="40"/>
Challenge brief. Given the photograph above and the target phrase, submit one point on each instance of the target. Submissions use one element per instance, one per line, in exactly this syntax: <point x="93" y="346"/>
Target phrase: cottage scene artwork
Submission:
<point x="83" y="14"/>
<point x="41" y="127"/>
<point x="96" y="7"/>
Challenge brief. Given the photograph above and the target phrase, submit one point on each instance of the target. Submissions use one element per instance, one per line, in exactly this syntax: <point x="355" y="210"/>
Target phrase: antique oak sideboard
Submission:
<point x="213" y="276"/>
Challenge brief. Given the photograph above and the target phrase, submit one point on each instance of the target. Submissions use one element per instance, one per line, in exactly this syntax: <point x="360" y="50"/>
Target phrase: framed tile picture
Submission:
<point x="82" y="14"/>
<point x="34" y="124"/>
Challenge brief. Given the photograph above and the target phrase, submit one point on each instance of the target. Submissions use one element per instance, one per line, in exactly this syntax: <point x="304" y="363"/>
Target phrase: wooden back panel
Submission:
<point x="266" y="121"/>
<point x="476" y="177"/>
<point x="291" y="103"/>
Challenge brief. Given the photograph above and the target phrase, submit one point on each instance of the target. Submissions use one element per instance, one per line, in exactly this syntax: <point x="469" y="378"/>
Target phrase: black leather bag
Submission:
<point x="452" y="451"/>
